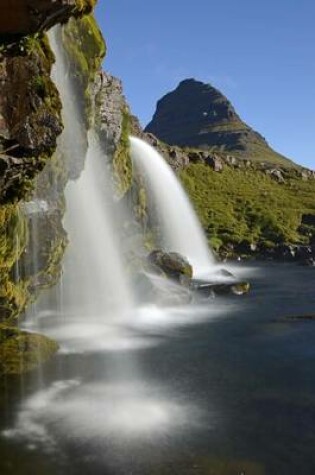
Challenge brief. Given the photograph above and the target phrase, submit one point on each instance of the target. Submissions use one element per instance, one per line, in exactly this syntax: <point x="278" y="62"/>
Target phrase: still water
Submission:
<point x="226" y="388"/>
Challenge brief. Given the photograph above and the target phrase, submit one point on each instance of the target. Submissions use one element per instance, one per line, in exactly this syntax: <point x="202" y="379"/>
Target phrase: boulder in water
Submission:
<point x="173" y="264"/>
<point x="210" y="289"/>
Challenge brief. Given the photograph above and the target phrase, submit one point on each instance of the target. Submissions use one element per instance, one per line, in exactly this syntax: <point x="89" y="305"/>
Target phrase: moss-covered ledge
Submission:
<point x="21" y="352"/>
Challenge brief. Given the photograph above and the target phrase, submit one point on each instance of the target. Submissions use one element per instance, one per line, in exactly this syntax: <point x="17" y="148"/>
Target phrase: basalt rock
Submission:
<point x="23" y="17"/>
<point x="197" y="115"/>
<point x="113" y="122"/>
<point x="211" y="289"/>
<point x="30" y="114"/>
<point x="173" y="264"/>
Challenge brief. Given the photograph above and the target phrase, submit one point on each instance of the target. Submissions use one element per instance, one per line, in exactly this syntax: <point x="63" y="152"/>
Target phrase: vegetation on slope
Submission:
<point x="248" y="205"/>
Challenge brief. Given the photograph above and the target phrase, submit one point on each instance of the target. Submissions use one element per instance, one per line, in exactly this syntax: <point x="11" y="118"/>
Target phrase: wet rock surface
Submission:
<point x="174" y="265"/>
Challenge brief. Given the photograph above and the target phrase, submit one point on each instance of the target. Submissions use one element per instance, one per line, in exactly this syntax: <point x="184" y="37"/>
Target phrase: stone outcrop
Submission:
<point x="23" y="17"/>
<point x="30" y="114"/>
<point x="30" y="167"/>
<point x="197" y="115"/>
<point x="174" y="265"/>
<point x="30" y="108"/>
<point x="113" y="119"/>
<point x="111" y="104"/>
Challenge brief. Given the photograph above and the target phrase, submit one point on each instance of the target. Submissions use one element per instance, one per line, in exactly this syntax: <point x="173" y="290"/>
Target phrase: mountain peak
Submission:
<point x="197" y="115"/>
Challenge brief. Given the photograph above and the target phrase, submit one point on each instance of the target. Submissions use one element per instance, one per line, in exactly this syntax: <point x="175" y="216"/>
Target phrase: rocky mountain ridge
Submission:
<point x="196" y="115"/>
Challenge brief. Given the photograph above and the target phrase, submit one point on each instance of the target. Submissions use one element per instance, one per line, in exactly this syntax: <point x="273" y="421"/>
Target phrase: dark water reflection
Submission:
<point x="230" y="395"/>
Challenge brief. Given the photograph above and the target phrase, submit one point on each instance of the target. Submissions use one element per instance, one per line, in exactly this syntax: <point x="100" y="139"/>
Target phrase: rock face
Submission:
<point x="111" y="107"/>
<point x="197" y="115"/>
<point x="113" y="124"/>
<point x="173" y="264"/>
<point x="30" y="114"/>
<point x="30" y="16"/>
<point x="31" y="168"/>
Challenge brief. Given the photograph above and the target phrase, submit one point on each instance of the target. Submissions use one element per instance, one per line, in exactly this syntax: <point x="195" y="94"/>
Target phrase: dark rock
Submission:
<point x="215" y="162"/>
<point x="276" y="174"/>
<point x="308" y="219"/>
<point x="284" y="252"/>
<point x="172" y="264"/>
<point x="197" y="115"/>
<point x="246" y="247"/>
<point x="30" y="112"/>
<point x="220" y="288"/>
<point x="22" y="17"/>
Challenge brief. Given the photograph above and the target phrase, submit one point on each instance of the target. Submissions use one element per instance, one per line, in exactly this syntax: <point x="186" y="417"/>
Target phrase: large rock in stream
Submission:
<point x="173" y="264"/>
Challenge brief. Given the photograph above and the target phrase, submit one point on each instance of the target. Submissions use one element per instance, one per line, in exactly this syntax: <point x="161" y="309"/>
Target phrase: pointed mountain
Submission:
<point x="197" y="115"/>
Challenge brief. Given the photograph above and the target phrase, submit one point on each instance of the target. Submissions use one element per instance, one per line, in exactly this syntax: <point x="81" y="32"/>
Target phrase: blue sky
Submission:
<point x="260" y="54"/>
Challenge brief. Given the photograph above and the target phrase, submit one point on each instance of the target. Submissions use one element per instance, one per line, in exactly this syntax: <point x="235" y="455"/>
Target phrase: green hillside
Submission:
<point x="240" y="205"/>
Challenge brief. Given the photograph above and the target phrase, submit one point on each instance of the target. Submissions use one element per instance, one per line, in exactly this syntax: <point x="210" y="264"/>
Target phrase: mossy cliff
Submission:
<point x="30" y="113"/>
<point x="30" y="169"/>
<point x="85" y="48"/>
<point x="30" y="108"/>
<point x="14" y="293"/>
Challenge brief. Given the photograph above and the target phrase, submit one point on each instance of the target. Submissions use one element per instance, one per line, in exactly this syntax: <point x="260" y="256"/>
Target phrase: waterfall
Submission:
<point x="94" y="282"/>
<point x="180" y="228"/>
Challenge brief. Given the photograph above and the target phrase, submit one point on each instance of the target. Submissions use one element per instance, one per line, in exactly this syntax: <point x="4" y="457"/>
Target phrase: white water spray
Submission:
<point x="180" y="228"/>
<point x="95" y="283"/>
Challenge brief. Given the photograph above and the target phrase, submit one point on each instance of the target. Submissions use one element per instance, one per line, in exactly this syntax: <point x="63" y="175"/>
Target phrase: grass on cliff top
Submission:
<point x="238" y="205"/>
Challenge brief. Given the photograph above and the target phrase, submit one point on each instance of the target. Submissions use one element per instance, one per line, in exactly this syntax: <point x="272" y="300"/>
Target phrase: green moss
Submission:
<point x="122" y="164"/>
<point x="31" y="110"/>
<point x="86" y="49"/>
<point x="14" y="298"/>
<point x="84" y="6"/>
<point x="21" y="352"/>
<point x="13" y="235"/>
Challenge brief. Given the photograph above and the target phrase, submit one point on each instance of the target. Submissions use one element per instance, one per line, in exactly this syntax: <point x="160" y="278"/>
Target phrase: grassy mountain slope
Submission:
<point x="248" y="205"/>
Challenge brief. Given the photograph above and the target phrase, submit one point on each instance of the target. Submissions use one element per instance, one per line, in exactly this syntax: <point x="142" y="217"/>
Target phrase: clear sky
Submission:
<point x="260" y="54"/>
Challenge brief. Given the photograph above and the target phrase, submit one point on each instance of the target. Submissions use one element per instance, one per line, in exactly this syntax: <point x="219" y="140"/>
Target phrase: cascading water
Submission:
<point x="95" y="283"/>
<point x="180" y="228"/>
